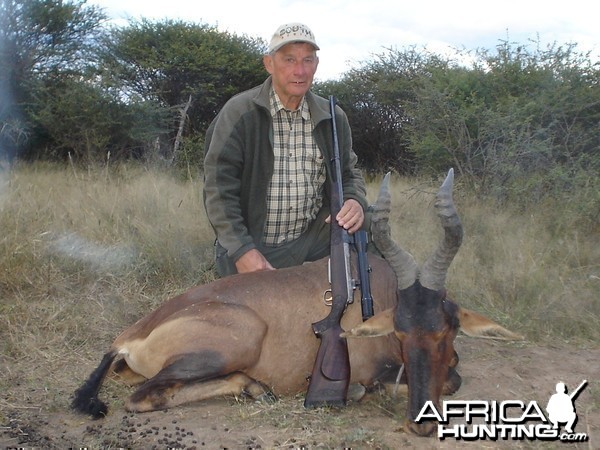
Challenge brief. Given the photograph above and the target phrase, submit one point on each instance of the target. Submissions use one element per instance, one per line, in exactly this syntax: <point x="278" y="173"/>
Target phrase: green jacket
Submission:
<point x="238" y="165"/>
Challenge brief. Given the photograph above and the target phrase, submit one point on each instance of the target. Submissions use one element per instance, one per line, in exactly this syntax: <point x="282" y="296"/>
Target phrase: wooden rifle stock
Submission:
<point x="331" y="372"/>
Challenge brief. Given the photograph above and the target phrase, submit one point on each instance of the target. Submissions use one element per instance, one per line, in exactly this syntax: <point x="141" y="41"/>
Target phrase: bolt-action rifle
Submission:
<point x="331" y="372"/>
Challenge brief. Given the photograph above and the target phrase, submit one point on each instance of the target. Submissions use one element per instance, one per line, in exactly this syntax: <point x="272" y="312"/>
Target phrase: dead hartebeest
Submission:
<point x="251" y="333"/>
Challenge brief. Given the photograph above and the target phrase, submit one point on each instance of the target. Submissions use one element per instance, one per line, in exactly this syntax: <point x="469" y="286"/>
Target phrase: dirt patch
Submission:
<point x="490" y="371"/>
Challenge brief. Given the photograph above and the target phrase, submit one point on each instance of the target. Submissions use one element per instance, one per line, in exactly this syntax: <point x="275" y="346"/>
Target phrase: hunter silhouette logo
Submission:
<point x="561" y="406"/>
<point x="508" y="419"/>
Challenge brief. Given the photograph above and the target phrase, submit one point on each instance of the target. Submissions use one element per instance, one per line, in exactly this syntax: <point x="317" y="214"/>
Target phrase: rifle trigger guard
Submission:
<point x="328" y="297"/>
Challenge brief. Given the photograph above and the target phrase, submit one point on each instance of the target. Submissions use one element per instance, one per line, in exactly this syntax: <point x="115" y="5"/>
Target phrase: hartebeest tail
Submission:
<point x="86" y="397"/>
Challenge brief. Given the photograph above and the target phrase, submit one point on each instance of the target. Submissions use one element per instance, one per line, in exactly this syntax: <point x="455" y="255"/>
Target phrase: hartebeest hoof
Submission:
<point x="264" y="395"/>
<point x="356" y="392"/>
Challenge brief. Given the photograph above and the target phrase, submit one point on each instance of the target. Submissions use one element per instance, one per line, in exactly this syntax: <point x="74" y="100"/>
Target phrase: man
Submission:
<point x="267" y="162"/>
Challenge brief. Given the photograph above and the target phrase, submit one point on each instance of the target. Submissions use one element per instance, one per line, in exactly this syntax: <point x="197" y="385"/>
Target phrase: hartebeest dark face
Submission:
<point x="426" y="324"/>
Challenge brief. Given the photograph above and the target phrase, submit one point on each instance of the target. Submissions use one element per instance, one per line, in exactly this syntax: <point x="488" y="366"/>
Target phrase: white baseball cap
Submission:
<point x="292" y="32"/>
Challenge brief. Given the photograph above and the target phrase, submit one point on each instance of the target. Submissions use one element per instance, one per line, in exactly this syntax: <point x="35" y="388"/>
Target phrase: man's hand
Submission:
<point x="252" y="261"/>
<point x="351" y="216"/>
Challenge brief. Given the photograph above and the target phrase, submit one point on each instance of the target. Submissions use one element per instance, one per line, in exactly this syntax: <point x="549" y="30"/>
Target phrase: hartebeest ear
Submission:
<point x="381" y="324"/>
<point x="476" y="325"/>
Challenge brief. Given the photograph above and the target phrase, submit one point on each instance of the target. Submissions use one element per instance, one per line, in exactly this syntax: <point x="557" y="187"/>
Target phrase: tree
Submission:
<point x="169" y="62"/>
<point x="516" y="115"/>
<point x="375" y="98"/>
<point x="40" y="41"/>
<point x="81" y="121"/>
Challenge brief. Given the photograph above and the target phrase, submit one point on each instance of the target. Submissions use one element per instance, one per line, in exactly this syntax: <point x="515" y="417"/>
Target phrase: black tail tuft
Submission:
<point x="86" y="399"/>
<point x="86" y="403"/>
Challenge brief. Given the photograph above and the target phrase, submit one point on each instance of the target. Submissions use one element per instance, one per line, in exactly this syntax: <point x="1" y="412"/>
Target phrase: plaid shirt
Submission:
<point x="295" y="193"/>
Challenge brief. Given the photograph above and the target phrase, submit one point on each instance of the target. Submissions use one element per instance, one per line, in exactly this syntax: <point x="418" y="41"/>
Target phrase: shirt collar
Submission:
<point x="277" y="105"/>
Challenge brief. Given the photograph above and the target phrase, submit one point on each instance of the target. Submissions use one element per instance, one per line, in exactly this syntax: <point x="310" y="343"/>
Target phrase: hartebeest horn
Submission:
<point x="433" y="273"/>
<point x="402" y="262"/>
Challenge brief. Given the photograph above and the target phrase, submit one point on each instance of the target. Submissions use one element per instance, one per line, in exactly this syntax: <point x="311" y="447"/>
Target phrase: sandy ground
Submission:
<point x="490" y="371"/>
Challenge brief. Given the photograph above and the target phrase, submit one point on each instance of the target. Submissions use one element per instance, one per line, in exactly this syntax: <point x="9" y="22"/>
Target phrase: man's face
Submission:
<point x="293" y="68"/>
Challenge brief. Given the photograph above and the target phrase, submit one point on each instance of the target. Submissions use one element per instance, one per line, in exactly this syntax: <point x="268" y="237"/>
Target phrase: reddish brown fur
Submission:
<point x="253" y="333"/>
<point x="261" y="324"/>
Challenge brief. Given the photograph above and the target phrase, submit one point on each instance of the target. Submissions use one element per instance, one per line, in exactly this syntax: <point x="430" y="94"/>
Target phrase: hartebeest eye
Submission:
<point x="451" y="310"/>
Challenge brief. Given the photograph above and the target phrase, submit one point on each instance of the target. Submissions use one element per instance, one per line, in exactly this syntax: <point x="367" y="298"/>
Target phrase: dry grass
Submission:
<point x="84" y="254"/>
